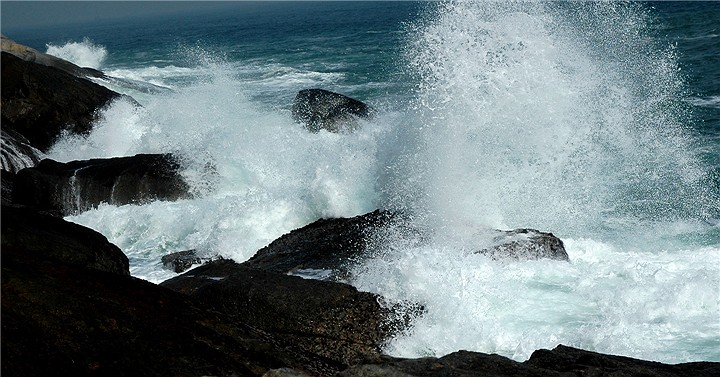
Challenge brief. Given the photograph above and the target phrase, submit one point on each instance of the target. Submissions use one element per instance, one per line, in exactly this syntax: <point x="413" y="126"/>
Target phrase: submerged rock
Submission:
<point x="41" y="102"/>
<point x="329" y="319"/>
<point x="26" y="231"/>
<point x="321" y="109"/>
<point x="77" y="186"/>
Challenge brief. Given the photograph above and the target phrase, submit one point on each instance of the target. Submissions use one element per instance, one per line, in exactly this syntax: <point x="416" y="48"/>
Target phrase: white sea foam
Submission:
<point x="84" y="54"/>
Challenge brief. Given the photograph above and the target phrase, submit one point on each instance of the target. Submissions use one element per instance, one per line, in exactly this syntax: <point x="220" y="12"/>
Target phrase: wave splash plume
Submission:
<point x="83" y="54"/>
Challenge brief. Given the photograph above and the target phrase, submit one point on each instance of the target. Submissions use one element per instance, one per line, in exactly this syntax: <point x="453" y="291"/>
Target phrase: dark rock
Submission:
<point x="7" y="180"/>
<point x="328" y="245"/>
<point x="180" y="261"/>
<point x="562" y="361"/>
<point x="321" y="109"/>
<point x="329" y="319"/>
<point x="17" y="153"/>
<point x="41" y="102"/>
<point x="526" y="244"/>
<point x="60" y="319"/>
<point x="27" y="231"/>
<point x="80" y="185"/>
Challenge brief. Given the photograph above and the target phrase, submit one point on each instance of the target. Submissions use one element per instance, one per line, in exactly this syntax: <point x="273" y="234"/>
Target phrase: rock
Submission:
<point x="181" y="261"/>
<point x="61" y="319"/>
<point x="26" y="231"/>
<point x="81" y="185"/>
<point x="34" y="56"/>
<point x="41" y="102"/>
<point x="17" y="153"/>
<point x="329" y="319"/>
<point x="562" y="361"/>
<point x="526" y="244"/>
<point x="8" y="182"/>
<point x="321" y="109"/>
<point x="326" y="247"/>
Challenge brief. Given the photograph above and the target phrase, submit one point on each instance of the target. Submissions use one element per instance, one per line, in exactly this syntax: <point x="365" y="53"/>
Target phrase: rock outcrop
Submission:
<point x="27" y="232"/>
<point x="329" y="319"/>
<point x="77" y="186"/>
<point x="320" y="109"/>
<point x="41" y="102"/>
<point x="562" y="361"/>
<point x="181" y="261"/>
<point x="325" y="245"/>
<point x="60" y="319"/>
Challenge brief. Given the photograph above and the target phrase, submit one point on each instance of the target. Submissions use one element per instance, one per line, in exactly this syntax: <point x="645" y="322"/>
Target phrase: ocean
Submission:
<point x="596" y="121"/>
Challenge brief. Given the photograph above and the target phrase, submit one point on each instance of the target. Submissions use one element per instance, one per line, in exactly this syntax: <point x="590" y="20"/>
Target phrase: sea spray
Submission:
<point x="255" y="173"/>
<point x="567" y="118"/>
<point x="84" y="54"/>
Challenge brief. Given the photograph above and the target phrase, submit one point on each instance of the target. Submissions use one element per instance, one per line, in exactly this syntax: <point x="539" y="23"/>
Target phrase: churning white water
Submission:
<point x="564" y="117"/>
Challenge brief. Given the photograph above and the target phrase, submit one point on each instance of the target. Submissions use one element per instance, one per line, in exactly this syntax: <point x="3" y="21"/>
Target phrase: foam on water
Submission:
<point x="84" y="54"/>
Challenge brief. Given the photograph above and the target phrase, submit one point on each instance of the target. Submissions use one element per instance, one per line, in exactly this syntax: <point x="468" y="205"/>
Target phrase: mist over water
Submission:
<point x="565" y="117"/>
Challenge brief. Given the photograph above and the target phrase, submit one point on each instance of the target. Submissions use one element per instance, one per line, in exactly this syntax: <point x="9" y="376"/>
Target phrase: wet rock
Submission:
<point x="320" y="109"/>
<point x="326" y="247"/>
<point x="77" y="186"/>
<point x="526" y="244"/>
<point x="61" y="319"/>
<point x="17" y="153"/>
<point x="26" y="231"/>
<point x="329" y="319"/>
<point x="41" y="102"/>
<point x="181" y="261"/>
<point x="561" y="361"/>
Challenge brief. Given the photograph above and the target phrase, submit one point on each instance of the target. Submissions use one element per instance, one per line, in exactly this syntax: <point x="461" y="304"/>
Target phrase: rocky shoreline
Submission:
<point x="70" y="306"/>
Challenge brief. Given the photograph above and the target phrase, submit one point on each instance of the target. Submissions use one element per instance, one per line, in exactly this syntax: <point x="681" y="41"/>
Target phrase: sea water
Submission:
<point x="599" y="122"/>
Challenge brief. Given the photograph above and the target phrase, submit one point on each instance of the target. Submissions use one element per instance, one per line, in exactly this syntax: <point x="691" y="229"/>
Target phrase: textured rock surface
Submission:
<point x="80" y="185"/>
<point x="332" y="320"/>
<point x="326" y="244"/>
<point x="181" y="261"/>
<point x="321" y="109"/>
<point x="41" y="102"/>
<point x="64" y="320"/>
<point x="27" y="231"/>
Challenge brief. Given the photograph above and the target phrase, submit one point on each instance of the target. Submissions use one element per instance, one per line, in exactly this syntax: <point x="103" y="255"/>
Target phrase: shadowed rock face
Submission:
<point x="80" y="185"/>
<point x="33" y="234"/>
<point x="41" y="102"/>
<point x="329" y="319"/>
<point x="60" y="319"/>
<point x="320" y="109"/>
